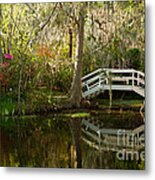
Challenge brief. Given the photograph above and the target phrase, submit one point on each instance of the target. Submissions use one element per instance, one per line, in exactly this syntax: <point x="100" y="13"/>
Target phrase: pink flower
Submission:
<point x="8" y="56"/>
<point x="5" y="63"/>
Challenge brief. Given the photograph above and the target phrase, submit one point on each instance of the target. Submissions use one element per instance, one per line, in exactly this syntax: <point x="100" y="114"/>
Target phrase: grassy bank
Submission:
<point x="55" y="102"/>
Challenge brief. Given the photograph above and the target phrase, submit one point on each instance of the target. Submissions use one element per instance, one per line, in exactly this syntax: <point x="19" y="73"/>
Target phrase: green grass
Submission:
<point x="131" y="103"/>
<point x="118" y="102"/>
<point x="78" y="115"/>
<point x="7" y="107"/>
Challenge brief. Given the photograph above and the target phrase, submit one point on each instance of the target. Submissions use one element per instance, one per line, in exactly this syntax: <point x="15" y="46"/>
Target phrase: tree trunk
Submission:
<point x="19" y="108"/>
<point x="70" y="42"/>
<point x="0" y="81"/>
<point x="76" y="93"/>
<point x="1" y="61"/>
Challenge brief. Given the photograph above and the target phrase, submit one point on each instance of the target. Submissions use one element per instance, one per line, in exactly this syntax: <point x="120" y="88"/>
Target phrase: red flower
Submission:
<point x="8" y="56"/>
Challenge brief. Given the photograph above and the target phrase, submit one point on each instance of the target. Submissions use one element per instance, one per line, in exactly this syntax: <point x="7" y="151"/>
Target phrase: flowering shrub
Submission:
<point x="8" y="56"/>
<point x="5" y="64"/>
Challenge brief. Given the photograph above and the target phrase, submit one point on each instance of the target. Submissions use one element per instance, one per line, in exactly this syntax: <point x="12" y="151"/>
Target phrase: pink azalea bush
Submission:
<point x="8" y="56"/>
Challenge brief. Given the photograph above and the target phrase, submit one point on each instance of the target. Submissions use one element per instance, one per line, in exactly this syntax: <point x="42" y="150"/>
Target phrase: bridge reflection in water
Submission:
<point x="112" y="139"/>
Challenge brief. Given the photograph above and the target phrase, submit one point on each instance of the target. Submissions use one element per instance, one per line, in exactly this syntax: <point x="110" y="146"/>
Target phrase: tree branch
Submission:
<point x="49" y="18"/>
<point x="15" y="23"/>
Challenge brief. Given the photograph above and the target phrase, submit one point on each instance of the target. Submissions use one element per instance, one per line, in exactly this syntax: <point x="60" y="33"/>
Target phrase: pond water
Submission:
<point x="61" y="141"/>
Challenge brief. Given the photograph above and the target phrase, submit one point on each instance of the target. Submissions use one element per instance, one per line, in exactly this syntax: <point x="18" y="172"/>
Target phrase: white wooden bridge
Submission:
<point x="113" y="79"/>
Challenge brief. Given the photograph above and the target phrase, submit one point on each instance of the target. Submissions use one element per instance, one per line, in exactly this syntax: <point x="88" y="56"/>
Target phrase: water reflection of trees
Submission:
<point x="75" y="126"/>
<point x="52" y="142"/>
<point x="40" y="143"/>
<point x="37" y="145"/>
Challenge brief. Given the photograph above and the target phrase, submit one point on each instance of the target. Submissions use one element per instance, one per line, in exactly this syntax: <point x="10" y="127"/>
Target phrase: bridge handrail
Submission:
<point x="91" y="80"/>
<point x="120" y="70"/>
<point x="91" y="74"/>
<point x="113" y="71"/>
<point x="98" y="77"/>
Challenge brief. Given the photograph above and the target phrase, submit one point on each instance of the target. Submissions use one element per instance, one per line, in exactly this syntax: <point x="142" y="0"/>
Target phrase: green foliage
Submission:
<point x="63" y="79"/>
<point x="38" y="37"/>
<point x="8" y="107"/>
<point x="133" y="56"/>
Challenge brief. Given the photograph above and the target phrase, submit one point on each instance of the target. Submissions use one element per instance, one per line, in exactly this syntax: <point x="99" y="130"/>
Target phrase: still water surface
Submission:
<point x="59" y="141"/>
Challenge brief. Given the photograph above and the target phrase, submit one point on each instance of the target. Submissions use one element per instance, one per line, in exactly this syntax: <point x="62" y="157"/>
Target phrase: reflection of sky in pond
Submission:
<point x="57" y="142"/>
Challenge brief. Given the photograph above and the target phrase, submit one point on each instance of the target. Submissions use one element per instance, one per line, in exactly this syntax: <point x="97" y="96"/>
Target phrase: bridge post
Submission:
<point x="133" y="79"/>
<point x="137" y="79"/>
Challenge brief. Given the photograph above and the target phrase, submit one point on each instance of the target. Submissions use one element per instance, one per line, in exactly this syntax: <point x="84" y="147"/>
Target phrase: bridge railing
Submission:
<point x="91" y="75"/>
<point x="92" y="81"/>
<point x="128" y="79"/>
<point x="139" y="77"/>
